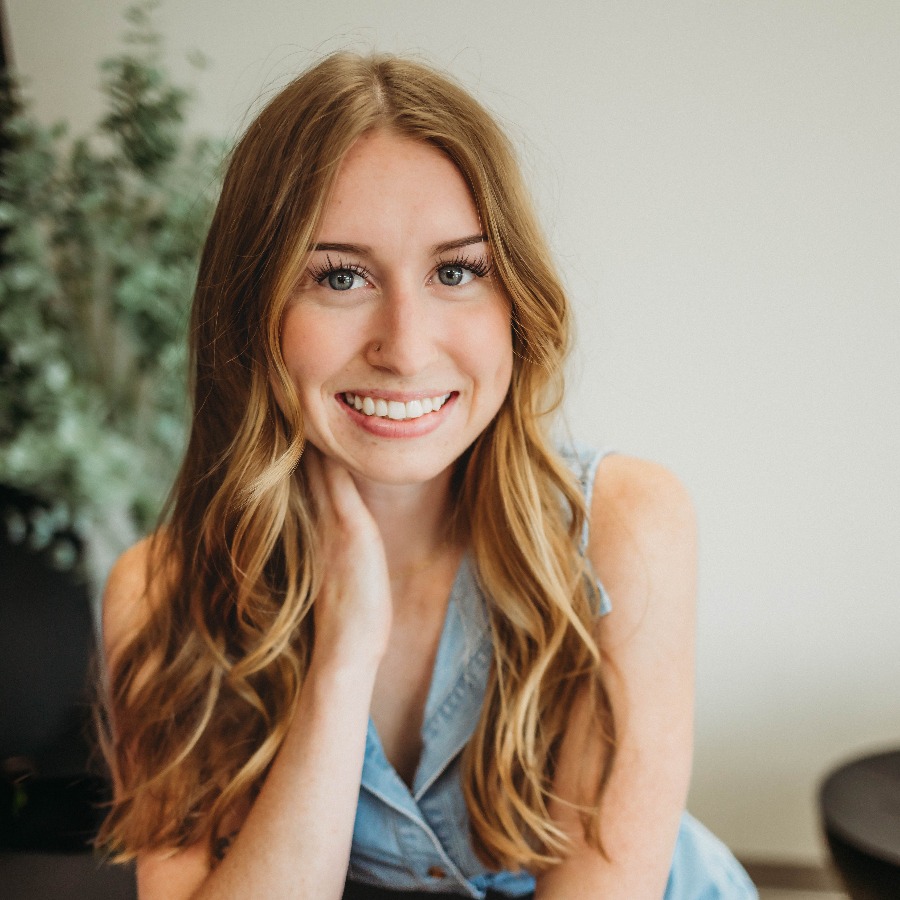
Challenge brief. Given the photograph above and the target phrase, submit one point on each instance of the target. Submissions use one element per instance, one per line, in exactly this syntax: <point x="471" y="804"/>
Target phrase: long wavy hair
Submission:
<point x="201" y="697"/>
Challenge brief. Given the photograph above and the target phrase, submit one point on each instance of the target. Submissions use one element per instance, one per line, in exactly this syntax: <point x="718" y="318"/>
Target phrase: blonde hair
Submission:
<point x="202" y="696"/>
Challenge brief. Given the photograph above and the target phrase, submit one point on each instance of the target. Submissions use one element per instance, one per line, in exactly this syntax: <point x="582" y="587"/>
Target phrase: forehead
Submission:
<point x="390" y="184"/>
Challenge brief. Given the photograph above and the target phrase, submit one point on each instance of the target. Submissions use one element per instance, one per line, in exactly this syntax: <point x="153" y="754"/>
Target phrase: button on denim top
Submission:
<point x="418" y="838"/>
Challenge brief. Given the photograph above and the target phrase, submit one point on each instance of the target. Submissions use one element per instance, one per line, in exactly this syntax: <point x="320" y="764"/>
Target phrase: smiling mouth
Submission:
<point x="397" y="410"/>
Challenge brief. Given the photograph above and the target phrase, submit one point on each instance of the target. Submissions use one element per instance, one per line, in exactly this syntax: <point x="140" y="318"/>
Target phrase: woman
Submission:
<point x="370" y="639"/>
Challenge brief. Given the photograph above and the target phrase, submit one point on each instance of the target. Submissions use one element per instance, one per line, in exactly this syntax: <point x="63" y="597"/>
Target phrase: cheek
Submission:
<point x="490" y="350"/>
<point x="312" y="350"/>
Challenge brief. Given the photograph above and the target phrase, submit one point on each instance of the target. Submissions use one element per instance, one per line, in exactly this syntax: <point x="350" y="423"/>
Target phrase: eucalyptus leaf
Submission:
<point x="100" y="237"/>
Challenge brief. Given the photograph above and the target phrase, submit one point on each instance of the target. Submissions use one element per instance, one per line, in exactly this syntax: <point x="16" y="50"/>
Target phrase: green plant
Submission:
<point x="100" y="241"/>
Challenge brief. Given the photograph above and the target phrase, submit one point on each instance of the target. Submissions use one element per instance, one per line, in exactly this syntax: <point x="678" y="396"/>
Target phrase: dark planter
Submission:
<point x="52" y="793"/>
<point x="860" y="808"/>
<point x="50" y="799"/>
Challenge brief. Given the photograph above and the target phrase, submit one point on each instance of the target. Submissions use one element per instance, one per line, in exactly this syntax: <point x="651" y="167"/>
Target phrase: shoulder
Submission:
<point x="133" y="590"/>
<point x="643" y="543"/>
<point x="640" y="497"/>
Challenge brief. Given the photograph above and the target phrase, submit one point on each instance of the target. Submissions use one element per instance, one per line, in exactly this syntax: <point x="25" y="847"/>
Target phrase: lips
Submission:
<point x="397" y="410"/>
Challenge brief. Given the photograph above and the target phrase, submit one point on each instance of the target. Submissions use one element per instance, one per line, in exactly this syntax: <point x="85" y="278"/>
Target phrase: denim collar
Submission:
<point x="454" y="698"/>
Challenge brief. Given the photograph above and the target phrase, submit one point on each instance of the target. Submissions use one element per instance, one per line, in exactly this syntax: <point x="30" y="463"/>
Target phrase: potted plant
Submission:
<point x="100" y="240"/>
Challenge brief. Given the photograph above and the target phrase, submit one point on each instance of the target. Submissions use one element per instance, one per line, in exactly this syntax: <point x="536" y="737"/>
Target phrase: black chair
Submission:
<point x="51" y="795"/>
<point x="860" y="809"/>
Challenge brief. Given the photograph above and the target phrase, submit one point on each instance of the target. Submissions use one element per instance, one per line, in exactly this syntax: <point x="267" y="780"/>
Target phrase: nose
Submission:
<point x="402" y="341"/>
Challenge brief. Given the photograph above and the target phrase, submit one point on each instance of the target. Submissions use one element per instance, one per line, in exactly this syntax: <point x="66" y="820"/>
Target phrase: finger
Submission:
<point x="342" y="492"/>
<point x="334" y="492"/>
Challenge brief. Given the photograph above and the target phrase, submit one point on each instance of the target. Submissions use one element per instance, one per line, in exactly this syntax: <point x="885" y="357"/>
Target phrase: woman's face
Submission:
<point x="398" y="339"/>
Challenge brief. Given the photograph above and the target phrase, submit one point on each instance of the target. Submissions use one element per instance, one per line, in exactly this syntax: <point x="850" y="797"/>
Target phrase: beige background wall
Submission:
<point x="720" y="183"/>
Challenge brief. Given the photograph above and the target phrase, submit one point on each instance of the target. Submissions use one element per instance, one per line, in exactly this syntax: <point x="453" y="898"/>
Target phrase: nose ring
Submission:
<point x="377" y="348"/>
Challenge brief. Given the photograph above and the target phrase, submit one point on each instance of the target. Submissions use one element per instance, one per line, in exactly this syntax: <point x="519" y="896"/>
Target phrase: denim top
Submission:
<point x="418" y="839"/>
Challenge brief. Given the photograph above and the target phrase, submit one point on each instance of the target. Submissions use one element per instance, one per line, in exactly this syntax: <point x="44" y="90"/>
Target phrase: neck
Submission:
<point x="413" y="521"/>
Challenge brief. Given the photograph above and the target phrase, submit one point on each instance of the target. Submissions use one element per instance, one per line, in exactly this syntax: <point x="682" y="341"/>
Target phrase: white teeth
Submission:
<point x="395" y="409"/>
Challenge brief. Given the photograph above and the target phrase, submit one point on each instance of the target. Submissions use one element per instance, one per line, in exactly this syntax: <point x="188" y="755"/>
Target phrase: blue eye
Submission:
<point x="343" y="279"/>
<point x="462" y="269"/>
<point x="453" y="275"/>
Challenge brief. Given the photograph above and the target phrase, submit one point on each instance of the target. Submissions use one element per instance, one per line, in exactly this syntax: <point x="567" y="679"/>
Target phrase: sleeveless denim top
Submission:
<point x="418" y="839"/>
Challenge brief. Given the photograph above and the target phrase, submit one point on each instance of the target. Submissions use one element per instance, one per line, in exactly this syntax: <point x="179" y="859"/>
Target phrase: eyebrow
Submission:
<point x="362" y="250"/>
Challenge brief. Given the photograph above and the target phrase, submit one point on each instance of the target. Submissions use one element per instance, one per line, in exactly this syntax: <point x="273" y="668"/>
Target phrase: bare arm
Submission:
<point x="295" y="840"/>
<point x="643" y="549"/>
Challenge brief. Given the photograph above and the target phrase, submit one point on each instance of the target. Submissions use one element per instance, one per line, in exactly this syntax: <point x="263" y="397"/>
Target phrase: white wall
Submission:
<point x="720" y="183"/>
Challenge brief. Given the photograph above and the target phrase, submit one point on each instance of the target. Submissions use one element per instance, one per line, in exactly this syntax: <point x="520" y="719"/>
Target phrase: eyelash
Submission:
<point x="478" y="266"/>
<point x="321" y="272"/>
